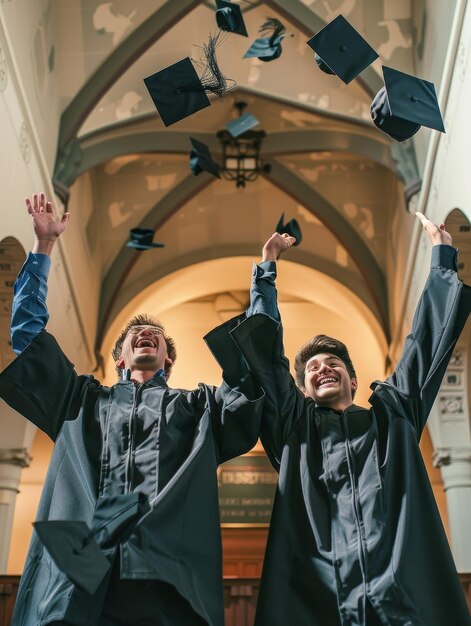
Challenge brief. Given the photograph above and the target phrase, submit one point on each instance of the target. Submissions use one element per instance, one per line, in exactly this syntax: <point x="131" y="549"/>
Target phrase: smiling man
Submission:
<point x="127" y="529"/>
<point x="355" y="537"/>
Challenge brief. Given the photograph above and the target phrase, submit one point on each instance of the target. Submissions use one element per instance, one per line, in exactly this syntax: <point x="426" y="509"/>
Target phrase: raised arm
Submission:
<point x="29" y="310"/>
<point x="260" y="339"/>
<point x="263" y="296"/>
<point x="441" y="313"/>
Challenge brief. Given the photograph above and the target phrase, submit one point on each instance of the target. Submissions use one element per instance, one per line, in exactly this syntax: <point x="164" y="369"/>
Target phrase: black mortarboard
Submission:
<point x="268" y="48"/>
<point x="404" y="104"/>
<point x="242" y="124"/>
<point x="229" y="17"/>
<point x="291" y="228"/>
<point x="74" y="550"/>
<point x="177" y="91"/>
<point x="141" y="239"/>
<point x="341" y="50"/>
<point x="201" y="159"/>
<point x="78" y="551"/>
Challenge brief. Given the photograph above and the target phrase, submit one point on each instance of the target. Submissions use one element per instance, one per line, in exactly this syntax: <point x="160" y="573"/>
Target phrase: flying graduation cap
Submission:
<point x="291" y="228"/>
<point x="404" y="104"/>
<point x="177" y="91"/>
<point x="141" y="239"/>
<point x="341" y="50"/>
<point x="229" y="18"/>
<point x="268" y="48"/>
<point x="201" y="159"/>
<point x="242" y="124"/>
<point x="78" y="551"/>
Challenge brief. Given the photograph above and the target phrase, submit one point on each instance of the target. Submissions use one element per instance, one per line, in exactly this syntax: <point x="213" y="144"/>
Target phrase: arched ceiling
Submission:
<point x="330" y="167"/>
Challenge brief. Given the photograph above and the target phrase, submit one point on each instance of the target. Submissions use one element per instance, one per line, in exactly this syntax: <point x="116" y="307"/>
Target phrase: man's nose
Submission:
<point x="324" y="368"/>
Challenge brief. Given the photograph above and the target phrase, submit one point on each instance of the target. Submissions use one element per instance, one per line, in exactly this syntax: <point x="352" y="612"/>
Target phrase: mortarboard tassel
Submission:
<point x="212" y="79"/>
<point x="274" y="25"/>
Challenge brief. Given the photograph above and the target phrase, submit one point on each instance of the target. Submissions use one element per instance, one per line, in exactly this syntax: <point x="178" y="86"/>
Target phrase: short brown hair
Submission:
<point x="144" y="320"/>
<point x="317" y="345"/>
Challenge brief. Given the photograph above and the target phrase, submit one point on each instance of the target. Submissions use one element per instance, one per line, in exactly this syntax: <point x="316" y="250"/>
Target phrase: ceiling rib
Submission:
<point x="100" y="148"/>
<point x="309" y="23"/>
<point x="122" y="57"/>
<point x="341" y="228"/>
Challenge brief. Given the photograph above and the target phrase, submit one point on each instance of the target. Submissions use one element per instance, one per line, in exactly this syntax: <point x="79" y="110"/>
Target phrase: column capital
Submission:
<point x="447" y="456"/>
<point x="15" y="456"/>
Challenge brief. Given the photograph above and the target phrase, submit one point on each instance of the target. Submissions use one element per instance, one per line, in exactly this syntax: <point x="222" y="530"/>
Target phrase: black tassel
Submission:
<point x="274" y="26"/>
<point x="212" y="79"/>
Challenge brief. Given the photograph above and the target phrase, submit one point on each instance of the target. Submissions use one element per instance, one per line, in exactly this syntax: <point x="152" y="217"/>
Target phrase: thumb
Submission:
<point x="65" y="218"/>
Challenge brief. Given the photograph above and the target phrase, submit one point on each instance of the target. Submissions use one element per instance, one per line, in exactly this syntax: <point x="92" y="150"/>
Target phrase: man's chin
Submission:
<point x="325" y="396"/>
<point x="146" y="359"/>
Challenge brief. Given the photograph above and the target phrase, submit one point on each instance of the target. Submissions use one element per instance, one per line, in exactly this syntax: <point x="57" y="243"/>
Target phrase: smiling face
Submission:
<point x="144" y="350"/>
<point x="327" y="381"/>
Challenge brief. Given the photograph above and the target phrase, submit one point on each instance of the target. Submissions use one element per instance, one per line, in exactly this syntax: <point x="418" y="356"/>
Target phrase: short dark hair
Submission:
<point x="144" y="320"/>
<point x="318" y="345"/>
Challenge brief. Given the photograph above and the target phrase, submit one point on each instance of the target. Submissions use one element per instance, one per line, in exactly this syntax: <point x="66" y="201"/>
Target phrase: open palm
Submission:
<point x="45" y="223"/>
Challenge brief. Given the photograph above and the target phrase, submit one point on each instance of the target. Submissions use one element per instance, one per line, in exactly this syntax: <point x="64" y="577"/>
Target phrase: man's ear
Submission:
<point x="168" y="365"/>
<point x="354" y="384"/>
<point x="120" y="362"/>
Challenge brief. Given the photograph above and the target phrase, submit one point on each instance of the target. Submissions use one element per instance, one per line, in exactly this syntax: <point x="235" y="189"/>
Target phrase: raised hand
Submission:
<point x="436" y="234"/>
<point x="47" y="228"/>
<point x="276" y="245"/>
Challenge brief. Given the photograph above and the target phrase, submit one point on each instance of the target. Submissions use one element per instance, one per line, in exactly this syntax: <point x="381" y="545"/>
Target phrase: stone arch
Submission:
<point x="299" y="286"/>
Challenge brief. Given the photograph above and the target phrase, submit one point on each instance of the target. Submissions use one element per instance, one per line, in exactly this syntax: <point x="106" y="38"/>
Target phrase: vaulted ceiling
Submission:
<point x="331" y="168"/>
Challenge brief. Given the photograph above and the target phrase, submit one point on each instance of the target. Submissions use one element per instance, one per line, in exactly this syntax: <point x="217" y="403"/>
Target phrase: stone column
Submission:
<point x="455" y="466"/>
<point x="12" y="461"/>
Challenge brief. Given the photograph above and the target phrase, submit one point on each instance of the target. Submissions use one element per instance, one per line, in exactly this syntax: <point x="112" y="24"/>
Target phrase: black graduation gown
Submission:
<point x="354" y="515"/>
<point x="182" y="437"/>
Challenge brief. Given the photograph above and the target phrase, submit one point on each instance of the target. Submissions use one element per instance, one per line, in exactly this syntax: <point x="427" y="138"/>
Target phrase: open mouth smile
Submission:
<point x="327" y="380"/>
<point x="145" y="342"/>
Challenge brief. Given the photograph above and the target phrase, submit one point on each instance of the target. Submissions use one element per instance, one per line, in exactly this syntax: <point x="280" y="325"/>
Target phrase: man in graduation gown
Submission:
<point x="355" y="537"/>
<point x="128" y="526"/>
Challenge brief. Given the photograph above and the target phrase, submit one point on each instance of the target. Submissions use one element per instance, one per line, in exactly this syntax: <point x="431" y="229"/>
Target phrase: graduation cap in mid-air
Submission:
<point x="77" y="550"/>
<point x="268" y="48"/>
<point x="201" y="159"/>
<point x="404" y="104"/>
<point x="229" y="18"/>
<point x="341" y="50"/>
<point x="141" y="239"/>
<point x="242" y="124"/>
<point x="291" y="228"/>
<point x="177" y="91"/>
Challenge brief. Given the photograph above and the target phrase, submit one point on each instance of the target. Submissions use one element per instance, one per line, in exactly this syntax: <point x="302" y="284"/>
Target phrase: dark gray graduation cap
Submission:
<point x="291" y="228"/>
<point x="341" y="50"/>
<point x="265" y="49"/>
<point x="229" y="17"/>
<point x="242" y="124"/>
<point x="177" y="91"/>
<point x="268" y="48"/>
<point x="141" y="239"/>
<point x="404" y="104"/>
<point x="201" y="159"/>
<point x="78" y="551"/>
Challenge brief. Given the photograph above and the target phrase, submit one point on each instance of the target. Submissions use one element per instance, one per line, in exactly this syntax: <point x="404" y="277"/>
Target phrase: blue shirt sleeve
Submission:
<point x="29" y="313"/>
